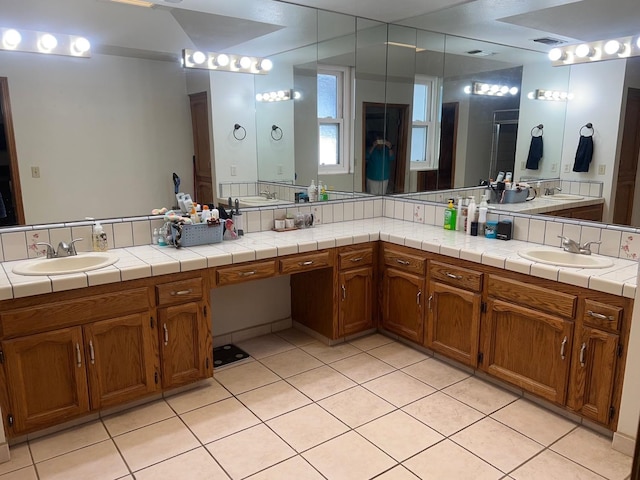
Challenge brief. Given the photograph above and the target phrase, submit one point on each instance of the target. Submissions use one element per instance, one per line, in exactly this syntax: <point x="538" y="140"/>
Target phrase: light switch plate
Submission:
<point x="601" y="169"/>
<point x="567" y="168"/>
<point x="35" y="172"/>
<point x="234" y="170"/>
<point x="554" y="167"/>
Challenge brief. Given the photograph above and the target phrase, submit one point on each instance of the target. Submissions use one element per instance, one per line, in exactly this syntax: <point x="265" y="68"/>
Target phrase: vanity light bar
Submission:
<point x="550" y="95"/>
<point x="489" y="89"/>
<point x="279" y="96"/>
<point x="225" y="62"/>
<point x="623" y="47"/>
<point x="43" y="42"/>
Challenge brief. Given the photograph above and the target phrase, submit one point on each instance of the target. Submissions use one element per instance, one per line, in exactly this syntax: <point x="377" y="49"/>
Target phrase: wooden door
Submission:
<point x="448" y="142"/>
<point x="594" y="366"/>
<point x="356" y="288"/>
<point x="202" y="147"/>
<point x="122" y="359"/>
<point x="185" y="344"/>
<point x="453" y="328"/>
<point x="47" y="378"/>
<point x="528" y="348"/>
<point x="9" y="173"/>
<point x="628" y="165"/>
<point x="403" y="304"/>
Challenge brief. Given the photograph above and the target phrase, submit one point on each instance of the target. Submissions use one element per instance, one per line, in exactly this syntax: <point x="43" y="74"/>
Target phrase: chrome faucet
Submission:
<point x="552" y="190"/>
<point x="64" y="249"/>
<point x="268" y="195"/>
<point x="572" y="246"/>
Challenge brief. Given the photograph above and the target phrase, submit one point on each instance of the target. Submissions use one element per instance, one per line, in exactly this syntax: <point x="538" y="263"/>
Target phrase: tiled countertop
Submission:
<point x="151" y="260"/>
<point x="540" y="205"/>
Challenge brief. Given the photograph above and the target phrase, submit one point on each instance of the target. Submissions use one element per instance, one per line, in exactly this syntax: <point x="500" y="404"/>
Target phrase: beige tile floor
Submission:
<point x="372" y="408"/>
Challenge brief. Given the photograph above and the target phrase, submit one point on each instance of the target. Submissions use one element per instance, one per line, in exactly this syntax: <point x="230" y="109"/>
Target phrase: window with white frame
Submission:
<point x="334" y="124"/>
<point x="424" y="124"/>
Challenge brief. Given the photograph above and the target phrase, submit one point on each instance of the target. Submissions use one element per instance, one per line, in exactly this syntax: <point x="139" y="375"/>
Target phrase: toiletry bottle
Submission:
<point x="154" y="239"/>
<point x="459" y="216"/>
<point x="312" y="192"/>
<point x="194" y="216"/>
<point x="471" y="214"/>
<point x="99" y="238"/>
<point x="482" y="215"/>
<point x="206" y="214"/>
<point x="450" y="216"/>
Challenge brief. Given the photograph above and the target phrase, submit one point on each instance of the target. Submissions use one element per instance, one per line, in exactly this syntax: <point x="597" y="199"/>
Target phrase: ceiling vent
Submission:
<point x="549" y="41"/>
<point x="480" y="53"/>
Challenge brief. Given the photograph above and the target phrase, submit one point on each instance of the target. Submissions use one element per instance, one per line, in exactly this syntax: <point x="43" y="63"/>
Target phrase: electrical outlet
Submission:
<point x="601" y="169"/>
<point x="567" y="168"/>
<point x="554" y="167"/>
<point x="35" y="172"/>
<point x="280" y="169"/>
<point x="234" y="170"/>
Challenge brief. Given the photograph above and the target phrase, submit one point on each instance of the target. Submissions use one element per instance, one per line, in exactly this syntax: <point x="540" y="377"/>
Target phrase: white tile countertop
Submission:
<point x="152" y="260"/>
<point x="544" y="204"/>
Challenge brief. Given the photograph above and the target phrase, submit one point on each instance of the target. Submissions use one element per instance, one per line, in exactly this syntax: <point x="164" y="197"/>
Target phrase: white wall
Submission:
<point x="233" y="101"/>
<point x="114" y="128"/>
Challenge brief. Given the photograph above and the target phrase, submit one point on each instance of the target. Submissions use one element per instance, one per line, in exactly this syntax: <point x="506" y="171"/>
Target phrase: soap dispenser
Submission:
<point x="99" y="238"/>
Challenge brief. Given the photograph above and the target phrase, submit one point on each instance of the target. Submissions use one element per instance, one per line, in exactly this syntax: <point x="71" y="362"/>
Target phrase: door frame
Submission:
<point x="9" y="133"/>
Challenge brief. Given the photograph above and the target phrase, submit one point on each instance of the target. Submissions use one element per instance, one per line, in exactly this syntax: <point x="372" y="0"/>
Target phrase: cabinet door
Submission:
<point x="528" y="348"/>
<point x="122" y="359"/>
<point x="403" y="304"/>
<point x="355" y="300"/>
<point x="185" y="344"/>
<point x="47" y="378"/>
<point x="453" y="328"/>
<point x="594" y="366"/>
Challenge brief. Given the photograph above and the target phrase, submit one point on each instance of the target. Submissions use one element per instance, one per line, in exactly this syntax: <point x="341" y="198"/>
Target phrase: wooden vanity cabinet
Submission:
<point x="403" y="287"/>
<point x="454" y="309"/>
<point x="528" y="336"/>
<point x="356" y="268"/>
<point x="184" y="327"/>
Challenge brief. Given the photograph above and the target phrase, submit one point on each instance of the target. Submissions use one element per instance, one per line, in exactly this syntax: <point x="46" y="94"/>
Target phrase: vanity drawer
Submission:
<point x="355" y="257"/>
<point x="456" y="276"/>
<point x="245" y="272"/>
<point x="181" y="291"/>
<point x="306" y="262"/>
<point x="538" y="298"/>
<point x="601" y="315"/>
<point x="405" y="261"/>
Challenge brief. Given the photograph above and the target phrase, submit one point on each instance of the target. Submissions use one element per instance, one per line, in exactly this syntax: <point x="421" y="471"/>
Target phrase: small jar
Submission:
<point x="490" y="229"/>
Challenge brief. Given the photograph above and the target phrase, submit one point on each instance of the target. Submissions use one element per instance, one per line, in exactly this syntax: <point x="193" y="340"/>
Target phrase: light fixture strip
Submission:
<point x="18" y="40"/>
<point x="550" y="95"/>
<point x="586" y="52"/>
<point x="490" y="90"/>
<point x="276" y="96"/>
<point x="225" y="62"/>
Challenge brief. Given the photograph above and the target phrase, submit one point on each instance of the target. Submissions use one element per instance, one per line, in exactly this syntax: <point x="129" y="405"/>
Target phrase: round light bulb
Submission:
<point x="484" y="87"/>
<point x="563" y="95"/>
<point x="258" y="97"/>
<point x="531" y="95"/>
<point x="504" y="89"/>
<point x="570" y="96"/>
<point x="266" y="64"/>
<point x="638" y="42"/>
<point x="198" y="58"/>
<point x="613" y="46"/>
<point x="80" y="46"/>
<point x="297" y="95"/>
<point x="556" y="54"/>
<point x="11" y="38"/>
<point x="467" y="89"/>
<point x="47" y="42"/>
<point x="495" y="88"/>
<point x="280" y="94"/>
<point x="548" y="94"/>
<point x="513" y="90"/>
<point x="583" y="51"/>
<point x="222" y="60"/>
<point x="556" y="95"/>
<point x="273" y="95"/>
<point x="245" y="62"/>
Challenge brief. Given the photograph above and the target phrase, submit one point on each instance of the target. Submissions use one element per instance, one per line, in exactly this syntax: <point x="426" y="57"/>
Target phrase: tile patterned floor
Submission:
<point x="372" y="408"/>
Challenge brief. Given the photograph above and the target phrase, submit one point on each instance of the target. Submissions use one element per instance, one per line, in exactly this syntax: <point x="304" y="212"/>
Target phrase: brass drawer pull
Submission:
<point x="247" y="274"/>
<point x="166" y="335"/>
<point x="599" y="316"/>
<point x="403" y="262"/>
<point x="182" y="292"/>
<point x="78" y="355"/>
<point x="562" y="347"/>
<point x="430" y="298"/>
<point x="582" y="350"/>
<point x="344" y="292"/>
<point x="357" y="259"/>
<point x="418" y="297"/>
<point x="451" y="275"/>
<point x="306" y="264"/>
<point x="92" y="354"/>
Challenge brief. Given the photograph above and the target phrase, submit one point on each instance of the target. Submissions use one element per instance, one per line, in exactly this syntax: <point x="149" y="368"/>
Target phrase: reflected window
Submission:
<point x="333" y="119"/>
<point x="424" y="122"/>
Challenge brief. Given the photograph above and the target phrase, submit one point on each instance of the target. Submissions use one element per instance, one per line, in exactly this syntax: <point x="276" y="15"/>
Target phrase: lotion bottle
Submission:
<point x="312" y="192"/>
<point x="482" y="215"/>
<point x="99" y="238"/>
<point x="471" y="214"/>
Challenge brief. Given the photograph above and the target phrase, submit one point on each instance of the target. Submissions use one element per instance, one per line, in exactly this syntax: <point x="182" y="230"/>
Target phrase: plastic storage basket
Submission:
<point x="199" y="234"/>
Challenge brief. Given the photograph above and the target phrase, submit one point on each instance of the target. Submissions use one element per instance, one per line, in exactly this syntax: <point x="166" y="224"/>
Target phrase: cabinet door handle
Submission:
<point x="357" y="259"/>
<point x="402" y="262"/>
<point x="451" y="275"/>
<point x="418" y="297"/>
<point x="599" y="316"/>
<point x="582" y="350"/>
<point x="92" y="354"/>
<point x="166" y="334"/>
<point x="306" y="264"/>
<point x="78" y="355"/>
<point x="430" y="298"/>
<point x="344" y="292"/>
<point x="247" y="274"/>
<point x="182" y="292"/>
<point x="562" y="347"/>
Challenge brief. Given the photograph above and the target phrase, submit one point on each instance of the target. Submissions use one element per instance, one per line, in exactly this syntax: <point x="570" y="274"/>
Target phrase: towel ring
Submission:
<point x="274" y="133"/>
<point x="588" y="126"/>
<point x="539" y="128"/>
<point x="237" y="127"/>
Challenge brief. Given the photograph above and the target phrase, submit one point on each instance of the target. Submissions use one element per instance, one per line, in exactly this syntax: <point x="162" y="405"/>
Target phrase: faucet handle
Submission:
<point x="51" y="253"/>
<point x="72" y="246"/>
<point x="586" y="248"/>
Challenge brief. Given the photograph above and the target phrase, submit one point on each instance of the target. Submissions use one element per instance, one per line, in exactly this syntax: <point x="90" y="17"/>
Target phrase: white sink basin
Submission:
<point x="563" y="196"/>
<point x="83" y="262"/>
<point x="560" y="258"/>
<point x="259" y="201"/>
